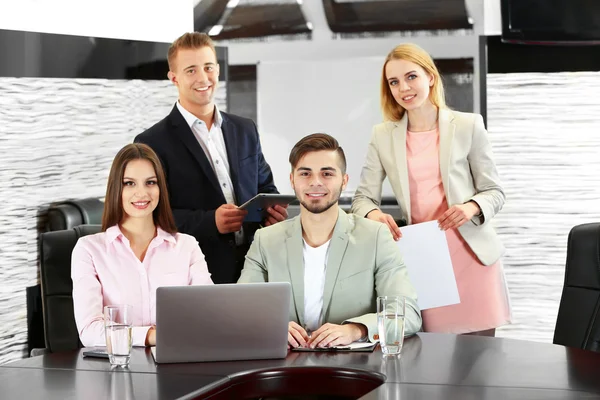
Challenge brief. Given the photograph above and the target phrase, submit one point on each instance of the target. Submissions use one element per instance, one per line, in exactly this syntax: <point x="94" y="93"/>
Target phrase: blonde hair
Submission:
<point x="189" y="40"/>
<point x="392" y="111"/>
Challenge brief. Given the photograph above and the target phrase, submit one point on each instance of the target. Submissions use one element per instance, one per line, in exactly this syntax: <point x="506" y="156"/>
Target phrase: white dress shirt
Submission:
<point x="213" y="144"/>
<point x="315" y="262"/>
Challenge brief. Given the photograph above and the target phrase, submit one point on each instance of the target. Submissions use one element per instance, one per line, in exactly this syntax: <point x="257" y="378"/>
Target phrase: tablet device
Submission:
<point x="98" y="353"/>
<point x="257" y="206"/>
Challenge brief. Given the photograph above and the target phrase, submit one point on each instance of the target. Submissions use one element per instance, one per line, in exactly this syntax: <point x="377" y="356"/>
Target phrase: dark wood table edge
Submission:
<point x="259" y="373"/>
<point x="489" y="386"/>
<point x="524" y="388"/>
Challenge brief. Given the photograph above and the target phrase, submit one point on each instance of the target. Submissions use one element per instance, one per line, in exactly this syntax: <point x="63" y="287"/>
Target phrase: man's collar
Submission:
<point x="190" y="118"/>
<point x="340" y="228"/>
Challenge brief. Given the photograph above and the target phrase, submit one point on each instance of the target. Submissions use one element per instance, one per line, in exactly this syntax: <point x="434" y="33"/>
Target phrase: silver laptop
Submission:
<point x="222" y="322"/>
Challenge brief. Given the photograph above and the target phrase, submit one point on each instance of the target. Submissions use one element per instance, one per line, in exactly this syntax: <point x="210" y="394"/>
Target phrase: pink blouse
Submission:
<point x="105" y="271"/>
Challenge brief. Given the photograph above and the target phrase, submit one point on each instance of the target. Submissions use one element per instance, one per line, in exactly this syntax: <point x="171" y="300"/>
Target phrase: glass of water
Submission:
<point x="117" y="326"/>
<point x="390" y="323"/>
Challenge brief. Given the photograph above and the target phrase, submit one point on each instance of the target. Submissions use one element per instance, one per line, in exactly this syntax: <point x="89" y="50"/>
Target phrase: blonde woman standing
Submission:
<point x="440" y="165"/>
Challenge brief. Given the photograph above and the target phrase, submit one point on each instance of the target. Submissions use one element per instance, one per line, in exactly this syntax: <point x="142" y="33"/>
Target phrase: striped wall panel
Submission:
<point x="57" y="139"/>
<point x="545" y="135"/>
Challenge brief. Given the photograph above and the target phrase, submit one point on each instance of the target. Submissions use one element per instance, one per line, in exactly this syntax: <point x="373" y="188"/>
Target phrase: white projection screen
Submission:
<point x="145" y="20"/>
<point x="339" y="97"/>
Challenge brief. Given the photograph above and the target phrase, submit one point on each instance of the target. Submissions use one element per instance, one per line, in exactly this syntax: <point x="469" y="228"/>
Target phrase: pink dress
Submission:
<point x="484" y="302"/>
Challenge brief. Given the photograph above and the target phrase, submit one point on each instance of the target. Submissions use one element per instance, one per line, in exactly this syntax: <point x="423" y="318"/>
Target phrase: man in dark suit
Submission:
<point x="213" y="160"/>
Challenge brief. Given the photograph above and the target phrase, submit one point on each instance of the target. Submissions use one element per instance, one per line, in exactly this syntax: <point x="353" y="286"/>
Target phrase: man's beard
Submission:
<point x="318" y="209"/>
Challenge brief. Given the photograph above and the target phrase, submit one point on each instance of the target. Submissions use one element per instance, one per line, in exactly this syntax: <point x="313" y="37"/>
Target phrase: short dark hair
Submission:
<point x="189" y="41"/>
<point x="317" y="142"/>
<point x="113" y="203"/>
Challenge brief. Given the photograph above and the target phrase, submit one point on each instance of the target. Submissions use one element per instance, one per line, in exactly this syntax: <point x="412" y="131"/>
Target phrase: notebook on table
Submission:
<point x="356" y="346"/>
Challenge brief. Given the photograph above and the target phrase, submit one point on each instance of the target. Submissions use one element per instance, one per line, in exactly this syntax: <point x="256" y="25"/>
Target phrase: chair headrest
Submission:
<point x="71" y="213"/>
<point x="83" y="230"/>
<point x="583" y="257"/>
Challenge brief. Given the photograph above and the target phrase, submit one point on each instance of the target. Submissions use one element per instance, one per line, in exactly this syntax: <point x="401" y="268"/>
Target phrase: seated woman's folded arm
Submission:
<point x="88" y="303"/>
<point x="87" y="297"/>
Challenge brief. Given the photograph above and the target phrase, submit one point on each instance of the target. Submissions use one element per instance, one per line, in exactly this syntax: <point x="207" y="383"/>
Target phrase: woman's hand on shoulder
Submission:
<point x="387" y="219"/>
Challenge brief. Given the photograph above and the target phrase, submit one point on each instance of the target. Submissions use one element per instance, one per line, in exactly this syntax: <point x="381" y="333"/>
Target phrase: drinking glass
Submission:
<point x="117" y="327"/>
<point x="390" y="323"/>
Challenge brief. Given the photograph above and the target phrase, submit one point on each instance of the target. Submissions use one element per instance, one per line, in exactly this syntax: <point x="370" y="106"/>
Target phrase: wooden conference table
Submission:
<point x="432" y="366"/>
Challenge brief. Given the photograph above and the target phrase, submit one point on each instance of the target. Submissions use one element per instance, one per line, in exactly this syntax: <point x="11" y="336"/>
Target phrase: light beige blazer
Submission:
<point x="364" y="262"/>
<point x="467" y="168"/>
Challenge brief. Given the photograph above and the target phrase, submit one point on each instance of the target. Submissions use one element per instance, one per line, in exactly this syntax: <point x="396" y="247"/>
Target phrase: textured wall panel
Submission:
<point x="544" y="131"/>
<point x="57" y="139"/>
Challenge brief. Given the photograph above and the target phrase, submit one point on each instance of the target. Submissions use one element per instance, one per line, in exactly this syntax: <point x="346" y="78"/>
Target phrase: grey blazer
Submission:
<point x="467" y="168"/>
<point x="364" y="262"/>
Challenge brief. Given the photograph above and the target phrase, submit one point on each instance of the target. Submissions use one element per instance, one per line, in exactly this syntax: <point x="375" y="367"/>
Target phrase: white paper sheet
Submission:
<point x="427" y="258"/>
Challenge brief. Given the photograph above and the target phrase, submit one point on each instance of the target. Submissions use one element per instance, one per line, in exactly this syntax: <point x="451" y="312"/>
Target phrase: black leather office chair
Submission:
<point x="60" y="216"/>
<point x="578" y="322"/>
<point x="57" y="288"/>
<point x="72" y="213"/>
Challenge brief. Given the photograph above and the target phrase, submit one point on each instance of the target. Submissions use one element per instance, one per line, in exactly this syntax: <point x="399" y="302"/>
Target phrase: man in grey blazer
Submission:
<point x="336" y="263"/>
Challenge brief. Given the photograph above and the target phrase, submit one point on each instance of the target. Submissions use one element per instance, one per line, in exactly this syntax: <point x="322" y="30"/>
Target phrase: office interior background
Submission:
<point x="76" y="87"/>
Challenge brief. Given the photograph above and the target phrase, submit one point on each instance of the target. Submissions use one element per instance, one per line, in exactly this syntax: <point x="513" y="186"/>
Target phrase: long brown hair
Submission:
<point x="392" y="111"/>
<point x="113" y="203"/>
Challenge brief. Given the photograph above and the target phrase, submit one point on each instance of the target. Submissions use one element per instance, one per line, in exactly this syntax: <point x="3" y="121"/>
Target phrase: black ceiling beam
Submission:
<point x="208" y="13"/>
<point x="406" y="15"/>
<point x="249" y="21"/>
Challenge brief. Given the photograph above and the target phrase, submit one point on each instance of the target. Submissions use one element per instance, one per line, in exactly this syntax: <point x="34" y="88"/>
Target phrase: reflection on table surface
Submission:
<point x="475" y="367"/>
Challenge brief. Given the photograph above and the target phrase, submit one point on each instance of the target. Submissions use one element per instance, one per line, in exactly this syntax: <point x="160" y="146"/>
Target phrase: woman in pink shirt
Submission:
<point x="440" y="165"/>
<point x="137" y="251"/>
